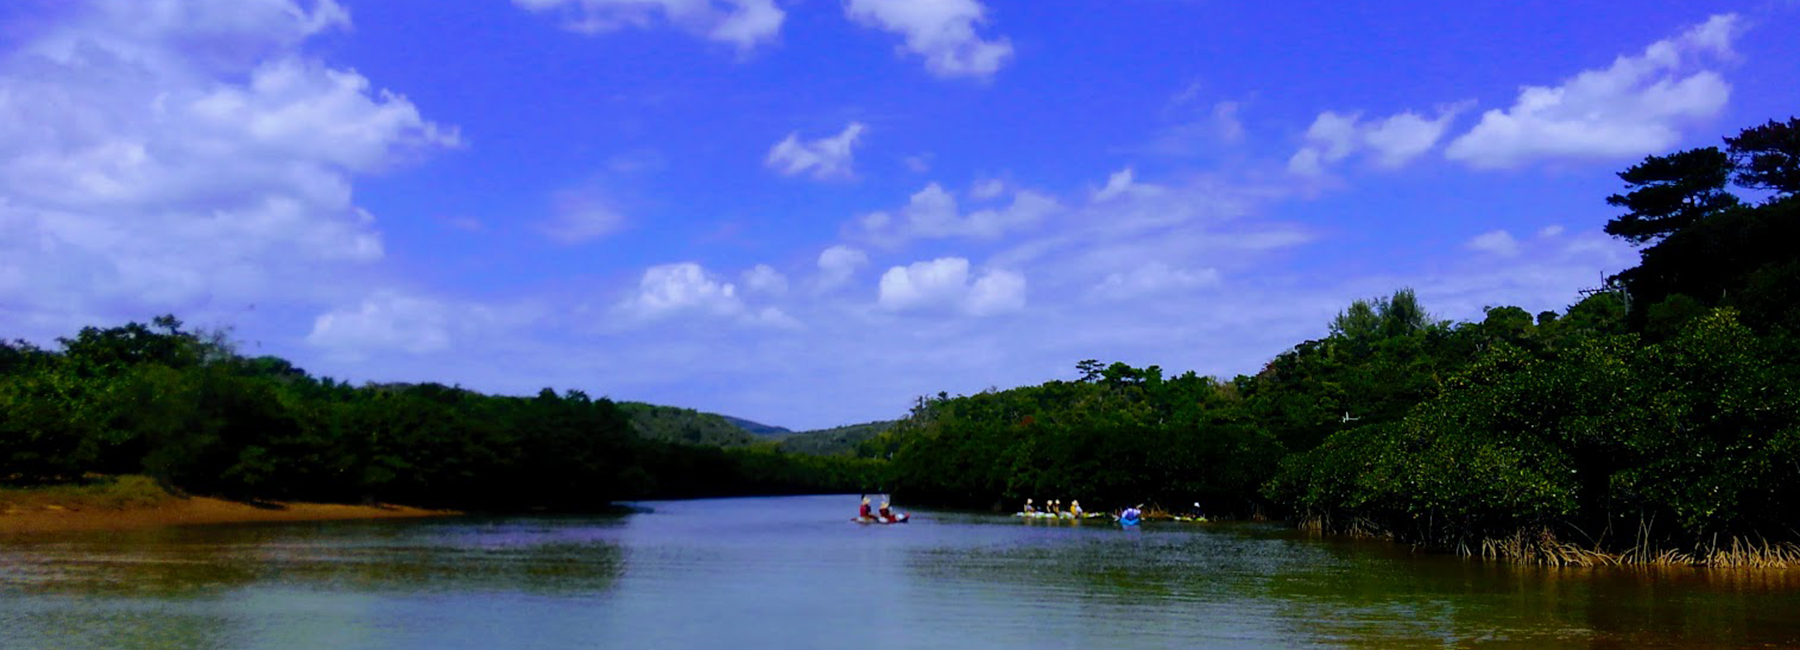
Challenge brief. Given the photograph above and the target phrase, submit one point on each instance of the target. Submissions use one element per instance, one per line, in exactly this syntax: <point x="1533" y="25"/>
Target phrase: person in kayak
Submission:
<point x="1131" y="516"/>
<point x="863" y="512"/>
<point x="1028" y="508"/>
<point x="1075" y="508"/>
<point x="888" y="515"/>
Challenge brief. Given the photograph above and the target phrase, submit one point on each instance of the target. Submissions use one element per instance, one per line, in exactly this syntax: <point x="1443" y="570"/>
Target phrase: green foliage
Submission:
<point x="837" y="441"/>
<point x="1668" y="193"/>
<point x="758" y="428"/>
<point x="1599" y="435"/>
<point x="1767" y="157"/>
<point x="686" y="426"/>
<point x="1714" y="248"/>
<point x="185" y="409"/>
<point x="1122" y="435"/>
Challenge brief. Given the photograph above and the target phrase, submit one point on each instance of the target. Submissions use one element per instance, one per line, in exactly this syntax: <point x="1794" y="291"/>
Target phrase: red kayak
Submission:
<point x="899" y="518"/>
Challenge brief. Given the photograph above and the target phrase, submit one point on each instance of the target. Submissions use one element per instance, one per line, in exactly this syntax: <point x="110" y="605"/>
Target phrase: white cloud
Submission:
<point x="939" y="282"/>
<point x="942" y="31"/>
<point x="918" y="164"/>
<point x="170" y="155"/>
<point x="838" y="263"/>
<point x="1393" y="141"/>
<point x="579" y="217"/>
<point x="822" y="158"/>
<point x="1402" y="137"/>
<point x="1306" y="162"/>
<point x="743" y="23"/>
<point x="1120" y="183"/>
<point x="1634" y="107"/>
<point x="1151" y="278"/>
<point x="763" y="278"/>
<point x="1196" y="129"/>
<point x="1498" y="242"/>
<point x="997" y="292"/>
<point x="932" y="213"/>
<point x="682" y="287"/>
<point x="1550" y="231"/>
<point x="383" y="322"/>
<point x="943" y="283"/>
<point x="771" y="317"/>
<point x="1225" y="121"/>
<point x="987" y="189"/>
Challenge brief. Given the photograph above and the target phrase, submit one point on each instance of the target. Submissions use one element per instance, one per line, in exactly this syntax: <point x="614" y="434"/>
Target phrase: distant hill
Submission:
<point x="836" y="441"/>
<point x="676" y="424"/>
<point x="758" y="428"/>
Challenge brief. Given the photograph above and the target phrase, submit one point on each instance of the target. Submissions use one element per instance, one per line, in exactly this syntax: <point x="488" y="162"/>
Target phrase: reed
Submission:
<point x="1542" y="547"/>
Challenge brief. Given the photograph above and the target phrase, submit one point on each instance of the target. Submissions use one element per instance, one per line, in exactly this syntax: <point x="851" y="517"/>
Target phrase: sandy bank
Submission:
<point x="19" y="519"/>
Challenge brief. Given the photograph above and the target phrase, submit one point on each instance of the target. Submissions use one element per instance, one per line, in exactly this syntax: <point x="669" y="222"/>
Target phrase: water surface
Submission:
<point x="794" y="573"/>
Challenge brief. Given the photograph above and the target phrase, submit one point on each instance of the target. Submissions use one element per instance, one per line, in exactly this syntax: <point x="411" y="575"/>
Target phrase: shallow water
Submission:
<point x="794" y="573"/>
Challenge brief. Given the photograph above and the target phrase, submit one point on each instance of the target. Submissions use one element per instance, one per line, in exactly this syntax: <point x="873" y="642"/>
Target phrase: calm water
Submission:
<point x="794" y="573"/>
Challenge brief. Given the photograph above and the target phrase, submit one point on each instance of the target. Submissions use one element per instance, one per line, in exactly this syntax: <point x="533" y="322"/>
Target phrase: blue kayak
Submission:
<point x="1128" y="521"/>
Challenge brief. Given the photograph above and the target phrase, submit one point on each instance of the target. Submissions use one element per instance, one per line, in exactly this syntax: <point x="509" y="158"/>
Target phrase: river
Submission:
<point x="794" y="573"/>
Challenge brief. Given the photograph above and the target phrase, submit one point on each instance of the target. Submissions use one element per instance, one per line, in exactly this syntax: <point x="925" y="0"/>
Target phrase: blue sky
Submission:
<point x="808" y="212"/>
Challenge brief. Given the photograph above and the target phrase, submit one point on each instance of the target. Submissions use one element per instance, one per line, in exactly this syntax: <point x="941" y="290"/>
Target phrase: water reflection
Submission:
<point x="532" y="556"/>
<point x="794" y="573"/>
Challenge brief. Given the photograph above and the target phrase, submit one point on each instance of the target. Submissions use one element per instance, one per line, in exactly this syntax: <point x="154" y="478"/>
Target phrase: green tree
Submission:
<point x="1669" y="193"/>
<point x="1767" y="156"/>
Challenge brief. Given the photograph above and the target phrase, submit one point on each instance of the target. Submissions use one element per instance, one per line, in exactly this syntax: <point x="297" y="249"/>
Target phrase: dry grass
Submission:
<point x="1543" y="548"/>
<point x="1744" y="553"/>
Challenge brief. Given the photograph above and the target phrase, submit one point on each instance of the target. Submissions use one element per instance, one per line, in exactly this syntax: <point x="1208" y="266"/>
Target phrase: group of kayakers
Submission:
<point x="1054" y="507"/>
<point x="885" y="515"/>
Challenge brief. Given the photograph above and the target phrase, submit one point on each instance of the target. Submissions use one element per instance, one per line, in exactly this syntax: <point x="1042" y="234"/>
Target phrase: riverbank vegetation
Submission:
<point x="183" y="407"/>
<point x="1654" y="420"/>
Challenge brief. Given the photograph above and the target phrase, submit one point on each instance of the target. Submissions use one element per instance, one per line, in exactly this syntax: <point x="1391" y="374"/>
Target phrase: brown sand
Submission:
<point x="186" y="511"/>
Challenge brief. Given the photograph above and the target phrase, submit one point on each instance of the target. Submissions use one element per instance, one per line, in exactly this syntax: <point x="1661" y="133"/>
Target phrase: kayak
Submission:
<point x="1053" y="515"/>
<point x="899" y="518"/>
<point x="1128" y="521"/>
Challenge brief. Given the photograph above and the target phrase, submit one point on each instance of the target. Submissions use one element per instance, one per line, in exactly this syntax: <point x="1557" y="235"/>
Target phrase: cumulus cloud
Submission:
<point x="822" y="158"/>
<point x="682" y="287"/>
<point x="932" y="213"/>
<point x="943" y="283"/>
<point x="997" y="292"/>
<point x="743" y="23"/>
<point x="165" y="155"/>
<point x="1634" y="107"/>
<point x="383" y="322"/>
<point x="688" y="289"/>
<point x="941" y="31"/>
<point x="763" y="278"/>
<point x="838" y="263"/>
<point x="1393" y="141"/>
<point x="1498" y="242"/>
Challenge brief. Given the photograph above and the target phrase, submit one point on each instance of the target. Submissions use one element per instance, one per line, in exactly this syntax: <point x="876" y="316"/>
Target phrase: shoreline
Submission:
<point x="22" y="519"/>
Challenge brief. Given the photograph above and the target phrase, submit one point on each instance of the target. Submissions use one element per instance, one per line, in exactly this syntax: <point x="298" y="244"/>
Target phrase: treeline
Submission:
<point x="184" y="408"/>
<point x="835" y="441"/>
<point x="1659" y="414"/>
<point x="685" y="426"/>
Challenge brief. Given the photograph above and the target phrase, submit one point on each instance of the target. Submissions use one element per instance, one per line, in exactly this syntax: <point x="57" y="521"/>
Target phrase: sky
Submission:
<point x="810" y="212"/>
